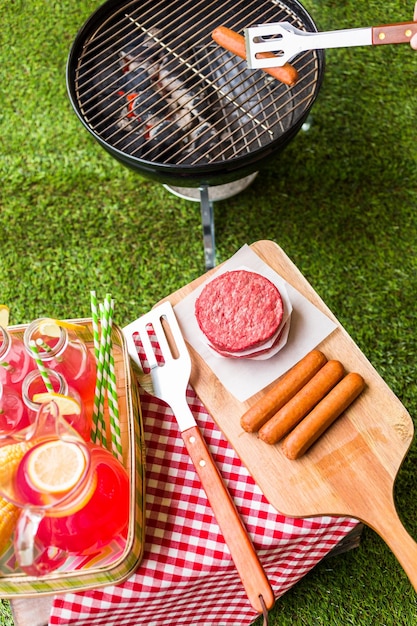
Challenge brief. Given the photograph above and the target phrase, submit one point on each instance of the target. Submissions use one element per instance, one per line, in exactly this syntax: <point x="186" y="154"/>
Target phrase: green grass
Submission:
<point x="341" y="200"/>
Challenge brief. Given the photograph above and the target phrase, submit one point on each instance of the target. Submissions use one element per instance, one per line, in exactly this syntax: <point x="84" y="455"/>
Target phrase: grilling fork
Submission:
<point x="170" y="381"/>
<point x="284" y="41"/>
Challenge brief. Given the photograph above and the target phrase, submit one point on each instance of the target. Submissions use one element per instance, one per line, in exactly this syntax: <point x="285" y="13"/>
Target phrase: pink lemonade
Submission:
<point x="34" y="496"/>
<point x="34" y="384"/>
<point x="104" y="512"/>
<point x="15" y="362"/>
<point x="68" y="355"/>
<point x="79" y="369"/>
<point x="13" y="413"/>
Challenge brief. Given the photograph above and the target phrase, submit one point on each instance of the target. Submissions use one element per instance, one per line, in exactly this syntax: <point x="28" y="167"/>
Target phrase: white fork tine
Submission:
<point x="148" y="349"/>
<point x="161" y="338"/>
<point x="170" y="379"/>
<point x="154" y="319"/>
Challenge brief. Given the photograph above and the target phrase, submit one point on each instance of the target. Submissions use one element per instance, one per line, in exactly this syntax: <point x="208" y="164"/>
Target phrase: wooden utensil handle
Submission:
<point x="393" y="33"/>
<point x="403" y="546"/>
<point x="235" y="534"/>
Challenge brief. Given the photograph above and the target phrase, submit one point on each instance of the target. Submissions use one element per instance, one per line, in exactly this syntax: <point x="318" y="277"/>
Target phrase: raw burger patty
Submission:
<point x="239" y="310"/>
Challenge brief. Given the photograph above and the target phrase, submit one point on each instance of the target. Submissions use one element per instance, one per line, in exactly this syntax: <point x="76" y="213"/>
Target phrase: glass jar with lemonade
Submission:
<point x="69" y="402"/>
<point x="15" y="362"/>
<point x="74" y="496"/>
<point x="61" y="349"/>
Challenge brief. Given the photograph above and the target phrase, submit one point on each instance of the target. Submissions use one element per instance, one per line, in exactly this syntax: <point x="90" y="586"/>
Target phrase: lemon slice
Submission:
<point x="66" y="404"/>
<point x="69" y="325"/>
<point x="4" y="315"/>
<point x="55" y="466"/>
<point x="51" y="327"/>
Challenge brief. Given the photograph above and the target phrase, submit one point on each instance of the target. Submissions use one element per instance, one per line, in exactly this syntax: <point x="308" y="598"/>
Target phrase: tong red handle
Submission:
<point x="243" y="553"/>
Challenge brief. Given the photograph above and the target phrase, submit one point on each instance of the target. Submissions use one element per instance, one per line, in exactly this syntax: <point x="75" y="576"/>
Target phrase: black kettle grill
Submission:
<point x="156" y="92"/>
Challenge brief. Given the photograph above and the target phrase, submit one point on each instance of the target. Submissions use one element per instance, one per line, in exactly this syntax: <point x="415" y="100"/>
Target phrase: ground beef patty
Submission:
<point x="239" y="310"/>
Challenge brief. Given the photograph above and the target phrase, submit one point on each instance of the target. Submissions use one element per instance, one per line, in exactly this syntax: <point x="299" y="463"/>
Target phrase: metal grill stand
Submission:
<point x="206" y="195"/>
<point x="207" y="218"/>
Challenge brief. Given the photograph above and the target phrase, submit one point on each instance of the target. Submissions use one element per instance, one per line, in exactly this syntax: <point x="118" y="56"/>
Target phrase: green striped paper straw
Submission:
<point x="112" y="397"/>
<point x="41" y="366"/>
<point x="94" y="316"/>
<point x="7" y="366"/>
<point x="104" y="325"/>
<point x="47" y="348"/>
<point x="96" y="428"/>
<point x="103" y="353"/>
<point x="98" y="431"/>
<point x="42" y="344"/>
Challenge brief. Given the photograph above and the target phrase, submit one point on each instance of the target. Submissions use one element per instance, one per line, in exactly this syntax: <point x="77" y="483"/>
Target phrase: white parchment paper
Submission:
<point x="245" y="377"/>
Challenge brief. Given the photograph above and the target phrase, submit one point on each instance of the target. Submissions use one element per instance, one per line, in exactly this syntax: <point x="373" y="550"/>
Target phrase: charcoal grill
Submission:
<point x="151" y="86"/>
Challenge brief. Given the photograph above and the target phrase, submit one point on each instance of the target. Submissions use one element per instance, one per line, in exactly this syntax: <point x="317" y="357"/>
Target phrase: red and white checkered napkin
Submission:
<point x="187" y="575"/>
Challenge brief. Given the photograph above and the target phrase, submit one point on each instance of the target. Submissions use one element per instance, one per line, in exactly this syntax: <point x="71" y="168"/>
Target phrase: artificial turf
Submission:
<point x="340" y="200"/>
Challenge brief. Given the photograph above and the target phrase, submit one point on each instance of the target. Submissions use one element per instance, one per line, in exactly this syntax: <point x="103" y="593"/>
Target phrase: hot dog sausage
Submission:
<point x="295" y="409"/>
<point x="232" y="41"/>
<point x="285" y="388"/>
<point x="323" y="415"/>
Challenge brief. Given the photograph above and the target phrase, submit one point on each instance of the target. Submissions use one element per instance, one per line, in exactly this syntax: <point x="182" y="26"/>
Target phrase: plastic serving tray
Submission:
<point x="116" y="561"/>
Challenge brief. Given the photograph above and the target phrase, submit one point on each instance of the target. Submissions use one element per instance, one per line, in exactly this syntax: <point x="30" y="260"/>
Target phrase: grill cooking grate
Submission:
<point x="150" y="82"/>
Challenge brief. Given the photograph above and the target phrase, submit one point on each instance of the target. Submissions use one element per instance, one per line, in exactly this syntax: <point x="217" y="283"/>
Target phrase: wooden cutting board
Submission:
<point x="352" y="468"/>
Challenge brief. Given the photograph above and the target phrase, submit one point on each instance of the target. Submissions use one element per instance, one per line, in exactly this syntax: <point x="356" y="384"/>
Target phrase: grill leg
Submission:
<point x="207" y="218"/>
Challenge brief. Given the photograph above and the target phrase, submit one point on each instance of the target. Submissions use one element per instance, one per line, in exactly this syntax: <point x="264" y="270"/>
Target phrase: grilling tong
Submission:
<point x="277" y="43"/>
<point x="170" y="379"/>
